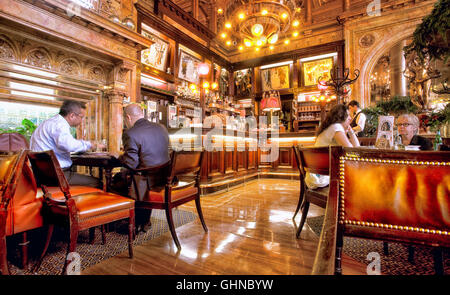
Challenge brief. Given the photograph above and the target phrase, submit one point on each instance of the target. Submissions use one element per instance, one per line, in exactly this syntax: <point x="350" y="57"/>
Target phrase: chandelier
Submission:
<point x="258" y="23"/>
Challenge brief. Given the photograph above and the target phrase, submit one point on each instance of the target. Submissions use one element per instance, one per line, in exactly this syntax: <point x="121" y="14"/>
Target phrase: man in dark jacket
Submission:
<point x="145" y="144"/>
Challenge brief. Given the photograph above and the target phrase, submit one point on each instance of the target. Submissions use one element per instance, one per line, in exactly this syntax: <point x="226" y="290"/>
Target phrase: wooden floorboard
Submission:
<point x="251" y="232"/>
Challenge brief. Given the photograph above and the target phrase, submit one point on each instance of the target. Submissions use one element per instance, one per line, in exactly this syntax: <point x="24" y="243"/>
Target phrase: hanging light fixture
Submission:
<point x="258" y="22"/>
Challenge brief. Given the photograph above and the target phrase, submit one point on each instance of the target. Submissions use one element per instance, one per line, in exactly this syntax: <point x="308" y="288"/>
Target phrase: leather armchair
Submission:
<point x="181" y="184"/>
<point x="78" y="208"/>
<point x="13" y="142"/>
<point x="387" y="195"/>
<point x="10" y="180"/>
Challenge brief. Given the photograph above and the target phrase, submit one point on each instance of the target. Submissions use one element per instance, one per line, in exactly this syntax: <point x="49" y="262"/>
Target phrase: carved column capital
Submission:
<point x="115" y="96"/>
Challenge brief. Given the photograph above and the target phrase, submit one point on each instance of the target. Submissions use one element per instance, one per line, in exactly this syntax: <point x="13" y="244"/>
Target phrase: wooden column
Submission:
<point x="213" y="16"/>
<point x="115" y="126"/>
<point x="309" y="11"/>
<point x="346" y="5"/>
<point x="195" y="9"/>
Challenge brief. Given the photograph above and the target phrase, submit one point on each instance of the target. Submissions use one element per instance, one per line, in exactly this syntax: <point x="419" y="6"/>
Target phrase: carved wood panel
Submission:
<point x="214" y="163"/>
<point x="251" y="160"/>
<point x="28" y="52"/>
<point x="229" y="163"/>
<point x="286" y="158"/>
<point x="241" y="160"/>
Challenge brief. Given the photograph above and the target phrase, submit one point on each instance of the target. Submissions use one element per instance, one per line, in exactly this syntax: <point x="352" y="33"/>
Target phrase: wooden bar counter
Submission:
<point x="233" y="157"/>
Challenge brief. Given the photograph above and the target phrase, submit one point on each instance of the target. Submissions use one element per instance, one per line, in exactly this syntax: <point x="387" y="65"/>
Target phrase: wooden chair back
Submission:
<point x="185" y="162"/>
<point x="48" y="173"/>
<point x="313" y="159"/>
<point x="367" y="141"/>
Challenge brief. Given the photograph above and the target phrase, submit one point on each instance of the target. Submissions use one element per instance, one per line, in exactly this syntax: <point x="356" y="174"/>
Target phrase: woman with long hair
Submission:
<point x="332" y="131"/>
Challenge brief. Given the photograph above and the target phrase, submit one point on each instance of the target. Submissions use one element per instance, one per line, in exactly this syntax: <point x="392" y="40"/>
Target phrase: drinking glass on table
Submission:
<point x="101" y="145"/>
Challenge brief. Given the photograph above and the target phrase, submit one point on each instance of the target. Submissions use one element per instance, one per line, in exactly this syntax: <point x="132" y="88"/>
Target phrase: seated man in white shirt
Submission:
<point x="358" y="118"/>
<point x="54" y="134"/>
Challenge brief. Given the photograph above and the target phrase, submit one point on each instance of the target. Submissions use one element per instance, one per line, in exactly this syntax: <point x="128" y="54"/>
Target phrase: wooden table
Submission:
<point x="104" y="161"/>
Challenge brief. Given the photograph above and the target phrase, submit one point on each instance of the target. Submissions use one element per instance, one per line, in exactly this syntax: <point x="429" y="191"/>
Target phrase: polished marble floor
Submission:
<point x="251" y="232"/>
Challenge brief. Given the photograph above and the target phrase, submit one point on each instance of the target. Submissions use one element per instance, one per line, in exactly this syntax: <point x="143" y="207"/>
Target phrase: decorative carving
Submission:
<point x="38" y="57"/>
<point x="420" y="75"/>
<point x="6" y="50"/>
<point x="122" y="75"/>
<point x="96" y="73"/>
<point x="110" y="7"/>
<point x="243" y="82"/>
<point x="45" y="56"/>
<point x="70" y="66"/>
<point x="367" y="40"/>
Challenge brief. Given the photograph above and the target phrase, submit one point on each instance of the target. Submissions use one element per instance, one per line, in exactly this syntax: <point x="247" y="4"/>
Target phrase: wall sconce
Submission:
<point x="115" y="19"/>
<point x="203" y="69"/>
<point x="129" y="23"/>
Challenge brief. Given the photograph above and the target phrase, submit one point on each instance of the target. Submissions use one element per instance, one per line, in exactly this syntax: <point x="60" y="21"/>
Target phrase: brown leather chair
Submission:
<point x="13" y="142"/>
<point x="10" y="174"/>
<point x="313" y="160"/>
<point x="396" y="196"/>
<point x="366" y="141"/>
<point x="181" y="186"/>
<point x="86" y="210"/>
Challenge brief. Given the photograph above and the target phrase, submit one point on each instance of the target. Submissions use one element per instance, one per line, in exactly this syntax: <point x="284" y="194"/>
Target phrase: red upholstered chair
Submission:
<point x="85" y="210"/>
<point x="13" y="142"/>
<point x="184" y="167"/>
<point x="10" y="175"/>
<point x="24" y="210"/>
<point x="313" y="160"/>
<point x="387" y="195"/>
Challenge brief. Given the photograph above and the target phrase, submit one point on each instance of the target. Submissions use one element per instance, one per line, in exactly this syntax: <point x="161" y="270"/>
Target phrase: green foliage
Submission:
<point x="435" y="120"/>
<point x="372" y="113"/>
<point x="26" y="129"/>
<point x="398" y="105"/>
<point x="430" y="35"/>
<point x="395" y="106"/>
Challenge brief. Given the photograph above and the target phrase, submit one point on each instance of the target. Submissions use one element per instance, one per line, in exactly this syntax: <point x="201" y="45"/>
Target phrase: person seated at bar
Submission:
<point x="54" y="134"/>
<point x="358" y="118"/>
<point x="408" y="127"/>
<point x="334" y="130"/>
<point x="145" y="144"/>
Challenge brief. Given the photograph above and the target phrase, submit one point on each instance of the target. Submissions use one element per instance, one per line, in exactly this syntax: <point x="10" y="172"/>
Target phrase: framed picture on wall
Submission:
<point x="188" y="68"/>
<point x="314" y="69"/>
<point x="156" y="55"/>
<point x="275" y="78"/>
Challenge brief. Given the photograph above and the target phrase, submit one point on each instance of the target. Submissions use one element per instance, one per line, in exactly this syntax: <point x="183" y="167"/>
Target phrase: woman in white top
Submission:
<point x="332" y="131"/>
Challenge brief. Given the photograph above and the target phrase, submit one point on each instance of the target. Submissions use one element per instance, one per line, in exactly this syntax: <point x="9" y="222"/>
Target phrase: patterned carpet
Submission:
<point x="396" y="263"/>
<point x="116" y="243"/>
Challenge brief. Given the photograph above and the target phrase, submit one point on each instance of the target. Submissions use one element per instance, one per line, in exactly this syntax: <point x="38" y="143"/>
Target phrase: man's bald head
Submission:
<point x="131" y="114"/>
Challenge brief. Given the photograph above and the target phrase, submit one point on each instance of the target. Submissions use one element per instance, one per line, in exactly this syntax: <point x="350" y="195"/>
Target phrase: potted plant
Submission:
<point x="398" y="105"/>
<point x="395" y="106"/>
<point x="431" y="37"/>
<point x="435" y="120"/>
<point x="26" y="129"/>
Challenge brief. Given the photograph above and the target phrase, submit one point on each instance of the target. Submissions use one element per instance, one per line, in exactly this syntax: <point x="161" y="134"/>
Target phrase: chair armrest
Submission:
<point x="324" y="262"/>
